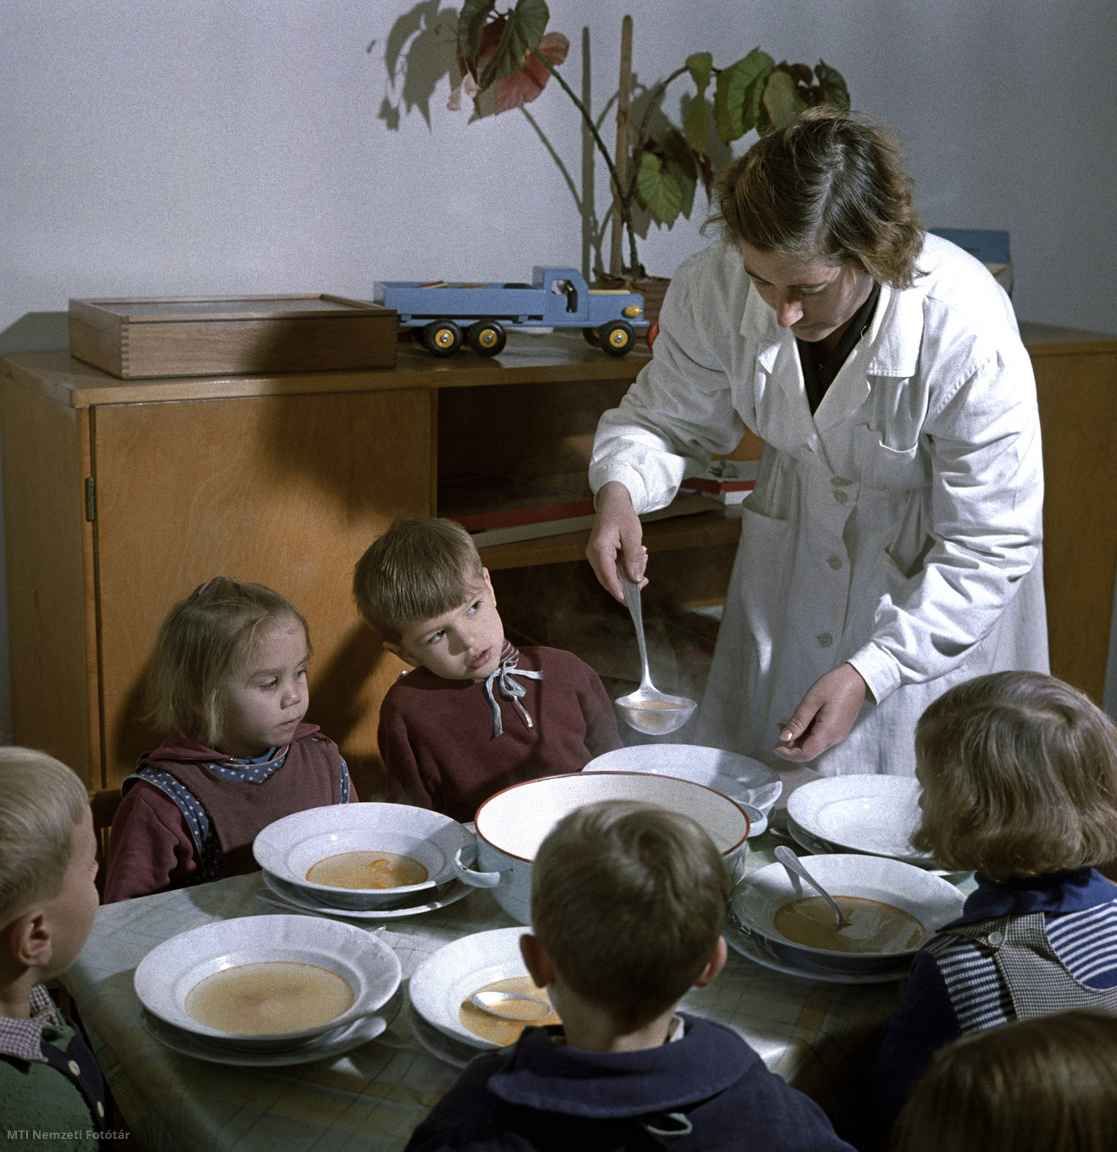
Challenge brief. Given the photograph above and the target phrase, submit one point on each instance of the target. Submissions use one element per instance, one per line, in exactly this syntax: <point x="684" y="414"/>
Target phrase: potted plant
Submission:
<point x="510" y="56"/>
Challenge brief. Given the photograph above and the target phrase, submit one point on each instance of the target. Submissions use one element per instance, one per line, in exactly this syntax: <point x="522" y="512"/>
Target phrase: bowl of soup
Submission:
<point x="512" y="824"/>
<point x="442" y="987"/>
<point x="894" y="909"/>
<point x="267" y="982"/>
<point x="362" y="856"/>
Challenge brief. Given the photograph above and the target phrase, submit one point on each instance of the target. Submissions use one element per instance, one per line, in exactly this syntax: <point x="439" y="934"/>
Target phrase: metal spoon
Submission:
<point x="491" y="1000"/>
<point x="647" y="709"/>
<point x="792" y="862"/>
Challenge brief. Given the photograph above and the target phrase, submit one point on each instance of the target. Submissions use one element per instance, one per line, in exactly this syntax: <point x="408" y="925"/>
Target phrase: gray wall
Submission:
<point x="176" y="147"/>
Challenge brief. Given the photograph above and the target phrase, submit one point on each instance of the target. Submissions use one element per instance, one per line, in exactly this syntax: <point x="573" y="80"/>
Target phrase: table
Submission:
<point x="817" y="1036"/>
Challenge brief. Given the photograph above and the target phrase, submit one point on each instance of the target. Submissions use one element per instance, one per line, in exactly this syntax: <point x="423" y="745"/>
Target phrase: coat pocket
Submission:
<point x="894" y="467"/>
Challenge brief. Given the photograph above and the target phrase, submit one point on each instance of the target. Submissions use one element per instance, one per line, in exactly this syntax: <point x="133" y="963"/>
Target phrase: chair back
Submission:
<point x="103" y="803"/>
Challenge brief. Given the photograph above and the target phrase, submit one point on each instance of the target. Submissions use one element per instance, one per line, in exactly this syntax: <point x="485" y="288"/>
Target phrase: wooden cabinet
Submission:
<point x="1076" y="381"/>
<point x="121" y="496"/>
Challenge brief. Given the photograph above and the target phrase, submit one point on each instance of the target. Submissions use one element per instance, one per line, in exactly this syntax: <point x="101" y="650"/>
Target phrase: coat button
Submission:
<point x="100" y="1110"/>
<point x="75" y="1068"/>
<point x="840" y="481"/>
<point x="996" y="938"/>
<point x="835" y="562"/>
<point x="840" y="496"/>
<point x="825" y="640"/>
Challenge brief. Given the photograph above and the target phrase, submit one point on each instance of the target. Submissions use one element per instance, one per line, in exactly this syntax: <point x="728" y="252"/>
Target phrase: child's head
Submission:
<point x="48" y="897"/>
<point x="422" y="587"/>
<point x="1019" y="775"/>
<point x="1042" y="1085"/>
<point x="628" y="901"/>
<point x="229" y="668"/>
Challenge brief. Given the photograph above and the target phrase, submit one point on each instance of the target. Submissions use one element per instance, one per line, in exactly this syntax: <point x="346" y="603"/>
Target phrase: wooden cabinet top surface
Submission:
<point x="527" y="359"/>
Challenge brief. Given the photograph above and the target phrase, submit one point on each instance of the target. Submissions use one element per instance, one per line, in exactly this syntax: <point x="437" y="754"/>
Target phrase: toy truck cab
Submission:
<point x="445" y="315"/>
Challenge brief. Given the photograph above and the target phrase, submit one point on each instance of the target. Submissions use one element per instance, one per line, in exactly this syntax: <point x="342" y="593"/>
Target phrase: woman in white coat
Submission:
<point x="891" y="547"/>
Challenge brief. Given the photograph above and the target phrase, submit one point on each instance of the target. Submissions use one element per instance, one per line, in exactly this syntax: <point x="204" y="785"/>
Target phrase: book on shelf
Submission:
<point x="489" y="502"/>
<point x="686" y="505"/>
<point x="727" y="481"/>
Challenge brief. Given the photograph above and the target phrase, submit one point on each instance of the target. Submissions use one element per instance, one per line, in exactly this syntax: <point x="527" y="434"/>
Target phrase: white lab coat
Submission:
<point x="898" y="528"/>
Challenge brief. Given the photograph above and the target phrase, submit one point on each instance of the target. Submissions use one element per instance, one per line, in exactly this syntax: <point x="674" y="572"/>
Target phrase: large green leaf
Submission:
<point x="700" y="66"/>
<point x="471" y="22"/>
<point x="658" y="190"/>
<point x="734" y="105"/>
<point x="781" y="101"/>
<point x="833" y="86"/>
<point x="527" y="23"/>
<point x="696" y="123"/>
<point x="684" y="172"/>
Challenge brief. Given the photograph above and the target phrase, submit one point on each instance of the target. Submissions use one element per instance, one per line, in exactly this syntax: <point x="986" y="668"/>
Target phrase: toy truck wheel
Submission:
<point x="442" y="337"/>
<point x="487" y="338"/>
<point x="593" y="337"/>
<point x="618" y="337"/>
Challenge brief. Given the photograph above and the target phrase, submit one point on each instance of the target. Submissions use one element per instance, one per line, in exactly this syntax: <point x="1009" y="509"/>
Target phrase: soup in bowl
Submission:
<point x="362" y="856"/>
<point x="267" y="981"/>
<point x="894" y="907"/>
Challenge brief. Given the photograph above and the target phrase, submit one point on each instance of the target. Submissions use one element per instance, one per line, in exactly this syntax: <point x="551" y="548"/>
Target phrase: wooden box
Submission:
<point x="213" y="336"/>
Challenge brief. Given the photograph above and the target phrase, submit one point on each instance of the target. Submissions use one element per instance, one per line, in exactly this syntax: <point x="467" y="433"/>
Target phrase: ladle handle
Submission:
<point x="632" y="599"/>
<point x="789" y="860"/>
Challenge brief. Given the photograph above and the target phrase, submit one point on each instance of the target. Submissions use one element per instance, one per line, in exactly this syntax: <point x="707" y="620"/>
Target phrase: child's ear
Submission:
<point x="536" y="960"/>
<point x="402" y="653"/>
<point x="488" y="583"/>
<point x="27" y="939"/>
<point x="717" y="963"/>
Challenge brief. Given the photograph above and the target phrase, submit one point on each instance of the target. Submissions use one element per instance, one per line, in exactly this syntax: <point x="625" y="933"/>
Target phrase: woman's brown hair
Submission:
<point x="1019" y="774"/>
<point x="829" y="186"/>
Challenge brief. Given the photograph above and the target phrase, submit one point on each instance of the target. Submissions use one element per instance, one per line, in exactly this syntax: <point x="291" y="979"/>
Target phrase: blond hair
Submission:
<point x="1019" y="773"/>
<point x="204" y="641"/>
<point x="629" y="900"/>
<point x="1042" y="1085"/>
<point x="829" y="186"/>
<point x="417" y="570"/>
<point x="41" y="803"/>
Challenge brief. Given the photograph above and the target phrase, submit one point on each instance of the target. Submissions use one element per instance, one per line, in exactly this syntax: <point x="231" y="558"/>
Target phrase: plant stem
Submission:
<point x="613" y="177"/>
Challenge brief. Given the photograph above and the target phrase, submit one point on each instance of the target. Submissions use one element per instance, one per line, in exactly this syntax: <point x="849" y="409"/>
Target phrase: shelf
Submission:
<point x="700" y="531"/>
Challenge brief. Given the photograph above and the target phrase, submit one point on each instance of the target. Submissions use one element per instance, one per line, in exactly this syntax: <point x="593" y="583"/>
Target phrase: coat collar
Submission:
<point x="890" y="348"/>
<point x="554" y="1078"/>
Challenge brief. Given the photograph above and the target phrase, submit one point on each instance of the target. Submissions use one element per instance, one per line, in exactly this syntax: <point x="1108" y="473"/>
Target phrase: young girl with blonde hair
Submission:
<point x="1019" y="775"/>
<point x="227" y="679"/>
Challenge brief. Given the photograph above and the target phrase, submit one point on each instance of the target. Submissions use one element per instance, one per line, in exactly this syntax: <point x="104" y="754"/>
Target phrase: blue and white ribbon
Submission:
<point x="502" y="678"/>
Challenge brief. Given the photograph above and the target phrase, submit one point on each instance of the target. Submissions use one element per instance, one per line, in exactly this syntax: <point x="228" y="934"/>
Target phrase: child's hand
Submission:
<point x="616" y="539"/>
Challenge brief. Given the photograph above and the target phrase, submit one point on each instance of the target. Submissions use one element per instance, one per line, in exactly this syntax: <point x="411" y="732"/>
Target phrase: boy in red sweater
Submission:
<point x="476" y="715"/>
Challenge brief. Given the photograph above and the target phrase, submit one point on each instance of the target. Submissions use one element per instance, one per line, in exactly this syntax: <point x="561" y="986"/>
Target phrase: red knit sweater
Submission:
<point x="436" y="735"/>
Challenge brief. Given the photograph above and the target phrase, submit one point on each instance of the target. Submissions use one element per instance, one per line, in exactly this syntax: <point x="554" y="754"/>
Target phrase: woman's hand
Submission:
<point x="615" y="538"/>
<point x="825" y="716"/>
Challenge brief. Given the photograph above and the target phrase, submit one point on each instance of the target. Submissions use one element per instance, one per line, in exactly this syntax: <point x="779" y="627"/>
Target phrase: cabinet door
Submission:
<point x="1077" y="389"/>
<point x="285" y="491"/>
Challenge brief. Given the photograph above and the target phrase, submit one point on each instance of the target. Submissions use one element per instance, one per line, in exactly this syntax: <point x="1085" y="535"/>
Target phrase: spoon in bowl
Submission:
<point x="647" y="709"/>
<point x="492" y="1000"/>
<point x="793" y="864"/>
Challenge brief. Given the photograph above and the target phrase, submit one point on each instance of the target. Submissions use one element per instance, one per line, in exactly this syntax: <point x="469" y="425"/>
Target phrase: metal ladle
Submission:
<point x="647" y="709"/>
<point x="489" y="1002"/>
<point x="793" y="864"/>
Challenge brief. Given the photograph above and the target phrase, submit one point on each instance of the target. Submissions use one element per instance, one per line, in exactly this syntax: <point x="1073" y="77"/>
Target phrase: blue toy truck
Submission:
<point x="445" y="315"/>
